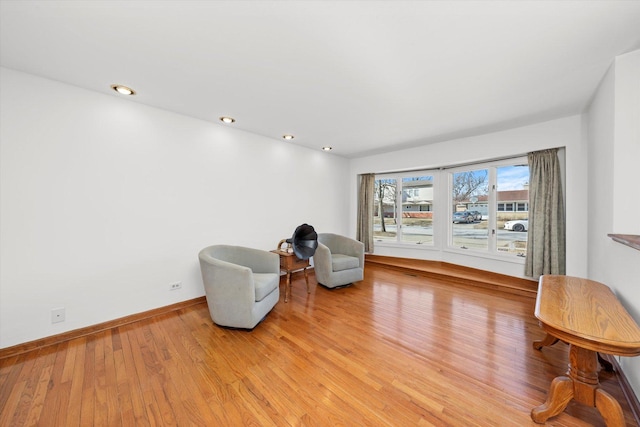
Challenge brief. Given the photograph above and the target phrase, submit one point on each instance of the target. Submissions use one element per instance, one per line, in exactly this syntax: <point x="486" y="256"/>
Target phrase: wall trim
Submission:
<point x="625" y="385"/>
<point x="77" y="333"/>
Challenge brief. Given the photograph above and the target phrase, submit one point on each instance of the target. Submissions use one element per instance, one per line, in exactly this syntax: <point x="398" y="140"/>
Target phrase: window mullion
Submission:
<point x="492" y="210"/>
<point x="399" y="209"/>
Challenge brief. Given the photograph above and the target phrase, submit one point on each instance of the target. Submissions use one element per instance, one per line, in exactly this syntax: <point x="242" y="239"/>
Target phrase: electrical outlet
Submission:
<point x="57" y="315"/>
<point x="174" y="286"/>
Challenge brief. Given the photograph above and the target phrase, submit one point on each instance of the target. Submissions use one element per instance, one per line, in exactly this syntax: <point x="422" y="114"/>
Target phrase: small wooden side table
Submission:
<point x="290" y="263"/>
<point x="588" y="316"/>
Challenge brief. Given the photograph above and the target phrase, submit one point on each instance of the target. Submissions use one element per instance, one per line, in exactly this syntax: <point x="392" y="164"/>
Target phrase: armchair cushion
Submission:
<point x="265" y="283"/>
<point x="341" y="262"/>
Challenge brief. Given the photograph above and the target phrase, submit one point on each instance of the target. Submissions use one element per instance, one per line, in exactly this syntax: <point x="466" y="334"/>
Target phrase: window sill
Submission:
<point x="388" y="244"/>
<point x="452" y="250"/>
<point x="493" y="256"/>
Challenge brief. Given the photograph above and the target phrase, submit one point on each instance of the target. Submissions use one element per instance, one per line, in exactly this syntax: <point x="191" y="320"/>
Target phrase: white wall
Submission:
<point x="564" y="132"/>
<point x="105" y="202"/>
<point x="614" y="150"/>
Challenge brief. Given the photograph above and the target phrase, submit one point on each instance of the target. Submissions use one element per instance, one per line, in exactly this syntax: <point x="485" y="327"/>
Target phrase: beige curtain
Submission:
<point x="365" y="211"/>
<point x="546" y="239"/>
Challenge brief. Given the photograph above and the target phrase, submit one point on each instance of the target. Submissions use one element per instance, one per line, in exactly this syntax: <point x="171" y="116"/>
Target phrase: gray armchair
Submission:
<point x="241" y="284"/>
<point x="338" y="260"/>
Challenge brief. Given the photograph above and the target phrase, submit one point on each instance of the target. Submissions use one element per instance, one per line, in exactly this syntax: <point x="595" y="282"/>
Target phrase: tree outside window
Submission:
<point x="384" y="220"/>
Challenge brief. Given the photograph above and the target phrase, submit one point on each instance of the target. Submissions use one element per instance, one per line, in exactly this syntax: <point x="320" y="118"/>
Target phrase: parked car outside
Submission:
<point x="517" y="225"/>
<point x="477" y="215"/>
<point x="463" y="217"/>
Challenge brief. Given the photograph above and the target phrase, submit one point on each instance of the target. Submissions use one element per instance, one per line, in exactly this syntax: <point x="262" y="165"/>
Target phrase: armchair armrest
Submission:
<point x="231" y="281"/>
<point x="322" y="263"/>
<point x="352" y="248"/>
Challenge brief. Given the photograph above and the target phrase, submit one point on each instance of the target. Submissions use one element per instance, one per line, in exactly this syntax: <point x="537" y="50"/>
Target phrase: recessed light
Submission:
<point x="327" y="148"/>
<point x="288" y="137"/>
<point x="123" y="90"/>
<point x="226" y="119"/>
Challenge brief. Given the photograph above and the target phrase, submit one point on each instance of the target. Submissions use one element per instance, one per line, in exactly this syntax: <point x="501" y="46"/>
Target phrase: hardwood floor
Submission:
<point x="396" y="349"/>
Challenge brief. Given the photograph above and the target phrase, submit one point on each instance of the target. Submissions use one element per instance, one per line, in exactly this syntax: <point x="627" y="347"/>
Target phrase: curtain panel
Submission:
<point x="546" y="243"/>
<point x="364" y="233"/>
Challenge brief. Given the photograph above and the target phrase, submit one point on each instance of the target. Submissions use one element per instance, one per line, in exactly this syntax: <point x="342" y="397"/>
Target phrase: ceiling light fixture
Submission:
<point x="123" y="90"/>
<point x="327" y="148"/>
<point x="288" y="137"/>
<point x="226" y="119"/>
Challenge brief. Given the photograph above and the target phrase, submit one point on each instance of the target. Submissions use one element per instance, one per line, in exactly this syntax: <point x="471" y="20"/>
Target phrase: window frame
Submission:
<point x="399" y="177"/>
<point x="442" y="207"/>
<point x="491" y="202"/>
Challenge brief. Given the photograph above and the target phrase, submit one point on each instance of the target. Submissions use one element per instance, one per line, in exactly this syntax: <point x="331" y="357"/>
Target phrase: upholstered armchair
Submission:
<point x="338" y="260"/>
<point x="241" y="284"/>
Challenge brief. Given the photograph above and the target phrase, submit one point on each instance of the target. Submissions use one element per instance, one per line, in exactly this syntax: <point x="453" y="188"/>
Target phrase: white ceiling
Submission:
<point x="361" y="76"/>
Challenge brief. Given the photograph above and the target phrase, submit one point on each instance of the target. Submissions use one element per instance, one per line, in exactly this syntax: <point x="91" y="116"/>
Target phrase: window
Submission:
<point x="513" y="189"/>
<point x="417" y="213"/>
<point x="384" y="211"/>
<point x="504" y="186"/>
<point x="470" y="192"/>
<point x="410" y="208"/>
<point x="403" y="211"/>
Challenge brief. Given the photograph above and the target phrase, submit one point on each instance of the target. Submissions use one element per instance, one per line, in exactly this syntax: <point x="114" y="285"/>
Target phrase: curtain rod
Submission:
<point x="457" y="165"/>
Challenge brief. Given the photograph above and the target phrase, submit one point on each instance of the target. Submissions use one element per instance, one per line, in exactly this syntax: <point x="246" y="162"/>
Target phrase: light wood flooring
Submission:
<point x="396" y="349"/>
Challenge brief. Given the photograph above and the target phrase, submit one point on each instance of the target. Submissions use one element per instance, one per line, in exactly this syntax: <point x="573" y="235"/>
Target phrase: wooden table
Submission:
<point x="290" y="263"/>
<point x="586" y="315"/>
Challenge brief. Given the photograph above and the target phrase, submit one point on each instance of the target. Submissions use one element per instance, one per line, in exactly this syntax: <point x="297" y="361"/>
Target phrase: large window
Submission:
<point x="470" y="213"/>
<point x="482" y="208"/>
<point x="499" y="192"/>
<point x="403" y="210"/>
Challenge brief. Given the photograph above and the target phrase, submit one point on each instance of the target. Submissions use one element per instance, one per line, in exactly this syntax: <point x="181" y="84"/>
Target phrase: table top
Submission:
<point x="282" y="253"/>
<point x="586" y="313"/>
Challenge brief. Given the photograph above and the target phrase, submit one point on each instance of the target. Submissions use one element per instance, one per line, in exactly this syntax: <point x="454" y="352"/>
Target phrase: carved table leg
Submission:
<point x="560" y="394"/>
<point x="583" y="386"/>
<point x="547" y="341"/>
<point x="583" y="370"/>
<point x="609" y="409"/>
